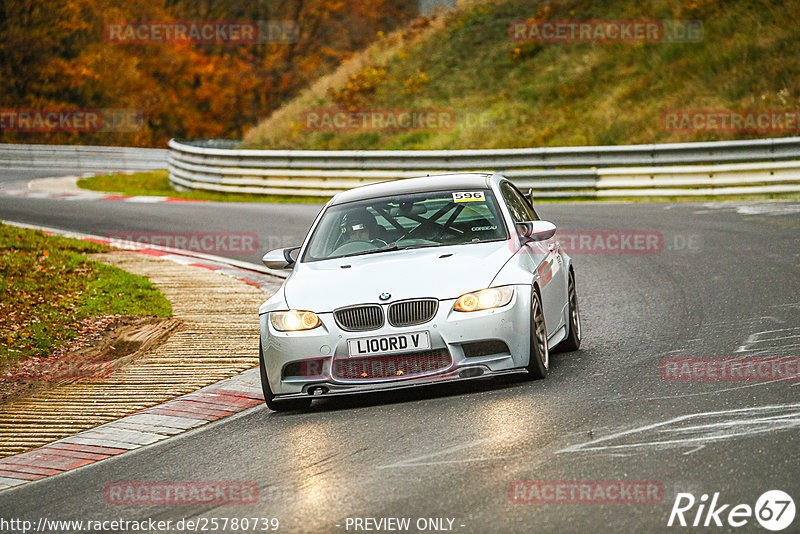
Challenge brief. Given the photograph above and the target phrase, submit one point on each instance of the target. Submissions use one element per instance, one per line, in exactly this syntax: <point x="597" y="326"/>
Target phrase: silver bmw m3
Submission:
<point x="414" y="282"/>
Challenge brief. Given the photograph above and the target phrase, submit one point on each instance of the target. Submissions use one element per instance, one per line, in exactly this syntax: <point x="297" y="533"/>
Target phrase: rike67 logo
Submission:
<point x="774" y="510"/>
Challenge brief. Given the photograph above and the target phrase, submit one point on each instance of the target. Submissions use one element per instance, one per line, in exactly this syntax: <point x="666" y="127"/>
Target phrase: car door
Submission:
<point x="542" y="257"/>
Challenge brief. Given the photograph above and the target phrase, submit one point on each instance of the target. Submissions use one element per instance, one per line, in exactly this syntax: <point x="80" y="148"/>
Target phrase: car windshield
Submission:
<point x="428" y="219"/>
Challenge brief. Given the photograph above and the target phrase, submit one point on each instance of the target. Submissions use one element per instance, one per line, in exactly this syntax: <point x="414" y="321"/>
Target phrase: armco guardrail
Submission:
<point x="679" y="169"/>
<point x="18" y="156"/>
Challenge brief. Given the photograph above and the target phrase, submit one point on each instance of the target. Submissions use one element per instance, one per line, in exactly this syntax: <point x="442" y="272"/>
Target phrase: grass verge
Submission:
<point x="48" y="286"/>
<point x="156" y="183"/>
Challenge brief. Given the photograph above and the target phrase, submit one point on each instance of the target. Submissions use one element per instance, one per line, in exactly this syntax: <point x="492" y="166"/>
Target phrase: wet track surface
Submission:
<point x="724" y="284"/>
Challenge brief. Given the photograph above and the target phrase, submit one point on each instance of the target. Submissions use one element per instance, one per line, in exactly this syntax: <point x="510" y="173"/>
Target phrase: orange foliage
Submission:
<point x="54" y="55"/>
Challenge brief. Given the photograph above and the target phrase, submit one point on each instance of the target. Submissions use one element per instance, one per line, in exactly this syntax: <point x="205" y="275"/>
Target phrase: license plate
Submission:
<point x="391" y="344"/>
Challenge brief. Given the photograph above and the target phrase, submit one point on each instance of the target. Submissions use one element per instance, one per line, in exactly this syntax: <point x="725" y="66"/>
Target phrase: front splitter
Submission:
<point x="337" y="389"/>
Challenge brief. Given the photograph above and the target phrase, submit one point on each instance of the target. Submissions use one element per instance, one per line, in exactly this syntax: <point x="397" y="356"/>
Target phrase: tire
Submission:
<point x="539" y="362"/>
<point x="573" y="339"/>
<point x="269" y="397"/>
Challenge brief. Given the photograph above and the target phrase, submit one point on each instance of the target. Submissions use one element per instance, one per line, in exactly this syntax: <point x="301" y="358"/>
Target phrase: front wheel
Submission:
<point x="539" y="362"/>
<point x="573" y="339"/>
<point x="269" y="397"/>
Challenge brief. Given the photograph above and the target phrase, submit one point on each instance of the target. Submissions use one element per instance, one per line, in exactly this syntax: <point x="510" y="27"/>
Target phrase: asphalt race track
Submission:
<point x="724" y="283"/>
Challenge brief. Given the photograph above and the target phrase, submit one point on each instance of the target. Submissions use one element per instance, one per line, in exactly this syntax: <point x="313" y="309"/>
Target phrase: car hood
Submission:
<point x="440" y="272"/>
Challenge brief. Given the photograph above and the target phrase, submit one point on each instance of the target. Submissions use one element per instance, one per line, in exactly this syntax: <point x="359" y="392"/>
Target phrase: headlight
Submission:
<point x="293" y="320"/>
<point x="494" y="297"/>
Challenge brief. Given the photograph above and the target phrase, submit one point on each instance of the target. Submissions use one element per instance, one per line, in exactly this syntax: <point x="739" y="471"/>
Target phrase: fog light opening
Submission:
<point x="317" y="390"/>
<point x="470" y="372"/>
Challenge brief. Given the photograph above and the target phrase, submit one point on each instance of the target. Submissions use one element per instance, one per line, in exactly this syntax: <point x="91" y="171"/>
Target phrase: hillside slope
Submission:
<point x="495" y="92"/>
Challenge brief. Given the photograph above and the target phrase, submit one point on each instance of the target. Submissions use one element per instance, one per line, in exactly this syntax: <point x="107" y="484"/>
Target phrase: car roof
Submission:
<point x="439" y="182"/>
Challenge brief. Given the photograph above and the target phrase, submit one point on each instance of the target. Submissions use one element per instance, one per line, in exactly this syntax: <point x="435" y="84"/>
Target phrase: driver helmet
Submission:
<point x="354" y="221"/>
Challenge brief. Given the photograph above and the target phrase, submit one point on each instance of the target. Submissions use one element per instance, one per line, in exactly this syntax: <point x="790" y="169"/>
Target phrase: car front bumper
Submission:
<point x="320" y="352"/>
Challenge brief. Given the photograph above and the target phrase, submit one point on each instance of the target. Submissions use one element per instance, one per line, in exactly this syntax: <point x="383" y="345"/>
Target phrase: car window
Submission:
<point x="520" y="210"/>
<point x="435" y="218"/>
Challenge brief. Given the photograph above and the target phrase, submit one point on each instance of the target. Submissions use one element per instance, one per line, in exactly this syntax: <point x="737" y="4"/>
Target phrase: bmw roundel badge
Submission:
<point x="385" y="296"/>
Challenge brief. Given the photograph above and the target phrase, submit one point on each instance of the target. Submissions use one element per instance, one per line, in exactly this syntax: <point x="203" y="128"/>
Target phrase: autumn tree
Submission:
<point x="54" y="55"/>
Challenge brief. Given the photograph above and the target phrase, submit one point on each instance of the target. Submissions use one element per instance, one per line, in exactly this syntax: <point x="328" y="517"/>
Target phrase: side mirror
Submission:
<point x="536" y="230"/>
<point x="279" y="259"/>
